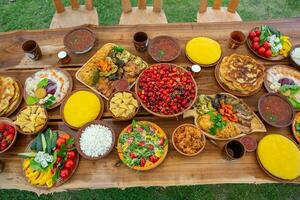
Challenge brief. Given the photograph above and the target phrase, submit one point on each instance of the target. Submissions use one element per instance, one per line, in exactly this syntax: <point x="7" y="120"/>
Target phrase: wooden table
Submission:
<point x="207" y="168"/>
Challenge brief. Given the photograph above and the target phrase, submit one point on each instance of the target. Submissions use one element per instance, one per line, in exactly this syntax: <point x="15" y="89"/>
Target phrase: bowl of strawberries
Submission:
<point x="8" y="134"/>
<point x="166" y="90"/>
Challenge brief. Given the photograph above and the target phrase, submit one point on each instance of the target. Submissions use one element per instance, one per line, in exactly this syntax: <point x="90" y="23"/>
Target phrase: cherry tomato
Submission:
<point x="2" y="127"/>
<point x="70" y="164"/>
<point x="256" y="39"/>
<point x="64" y="173"/>
<point x="60" y="141"/>
<point x="71" y="154"/>
<point x="132" y="155"/>
<point x="252" y="35"/>
<point x="268" y="53"/>
<point x="142" y="162"/>
<point x="261" y="51"/>
<point x="266" y="45"/>
<point x="58" y="159"/>
<point x="257" y="32"/>
<point x="255" y="45"/>
<point x="6" y="133"/>
<point x="65" y="136"/>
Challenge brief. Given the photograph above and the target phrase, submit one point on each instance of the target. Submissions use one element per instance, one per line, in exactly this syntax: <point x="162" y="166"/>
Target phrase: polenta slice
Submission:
<point x="279" y="156"/>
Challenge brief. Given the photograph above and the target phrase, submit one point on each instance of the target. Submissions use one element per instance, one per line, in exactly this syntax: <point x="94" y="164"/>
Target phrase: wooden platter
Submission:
<point x="275" y="58"/>
<point x="226" y="88"/>
<point x="67" y="93"/>
<point x="60" y="181"/>
<point x="66" y="99"/>
<point x="256" y="124"/>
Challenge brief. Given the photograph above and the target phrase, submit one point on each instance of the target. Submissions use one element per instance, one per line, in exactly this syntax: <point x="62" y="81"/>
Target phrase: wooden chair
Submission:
<point x="74" y="15"/>
<point x="216" y="13"/>
<point x="142" y="14"/>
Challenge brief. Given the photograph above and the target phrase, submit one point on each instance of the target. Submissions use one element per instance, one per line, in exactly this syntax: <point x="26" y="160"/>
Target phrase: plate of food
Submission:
<point x="81" y="107"/>
<point x="166" y="90"/>
<point x="296" y="127"/>
<point x="110" y="64"/>
<point x="31" y="120"/>
<point x="123" y="105"/>
<point x="276" y="110"/>
<point x="224" y="117"/>
<point x="203" y="51"/>
<point x="10" y="95"/>
<point x="268" y="43"/>
<point x="50" y="159"/>
<point x="279" y="157"/>
<point x="8" y="134"/>
<point x="286" y="81"/>
<point x="142" y="145"/>
<point x="164" y="49"/>
<point x="48" y="87"/>
<point x="188" y="140"/>
<point x="240" y="75"/>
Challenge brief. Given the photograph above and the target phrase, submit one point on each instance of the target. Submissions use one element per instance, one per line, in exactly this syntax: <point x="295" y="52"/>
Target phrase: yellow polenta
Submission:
<point x="279" y="156"/>
<point x="81" y="107"/>
<point x="203" y="50"/>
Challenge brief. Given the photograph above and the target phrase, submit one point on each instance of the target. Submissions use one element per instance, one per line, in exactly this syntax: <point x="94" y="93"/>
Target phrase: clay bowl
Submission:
<point x="68" y="75"/>
<point x="294" y="64"/>
<point x="159" y="114"/>
<point x="77" y="140"/>
<point x="88" y="40"/>
<point x="284" y="100"/>
<point x="296" y="135"/>
<point x="62" y="107"/>
<point x="130" y="116"/>
<point x="157" y="40"/>
<point x="37" y="131"/>
<point x="10" y="122"/>
<point x="202" y="138"/>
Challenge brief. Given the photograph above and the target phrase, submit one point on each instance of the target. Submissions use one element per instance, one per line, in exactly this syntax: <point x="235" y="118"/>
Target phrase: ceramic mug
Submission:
<point x="32" y="50"/>
<point x="237" y="38"/>
<point x="233" y="150"/>
<point x="140" y="40"/>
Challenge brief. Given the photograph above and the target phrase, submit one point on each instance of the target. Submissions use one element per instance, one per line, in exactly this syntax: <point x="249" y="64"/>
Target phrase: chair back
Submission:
<point x="142" y="4"/>
<point x="232" y="6"/>
<point x="74" y="4"/>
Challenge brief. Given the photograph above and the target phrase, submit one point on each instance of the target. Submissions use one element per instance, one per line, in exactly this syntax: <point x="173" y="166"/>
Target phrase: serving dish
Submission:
<point x="159" y="85"/>
<point x="142" y="145"/>
<point x="236" y="121"/>
<point x="13" y="90"/>
<point x="121" y="105"/>
<point x="164" y="49"/>
<point x="42" y="87"/>
<point x="276" y="110"/>
<point x="296" y="127"/>
<point x="9" y="136"/>
<point x="62" y="108"/>
<point x="292" y="60"/>
<point x="270" y="39"/>
<point x="203" y="51"/>
<point x="45" y="119"/>
<point x="80" y="40"/>
<point x="81" y="130"/>
<point x="109" y="64"/>
<point x="240" y="75"/>
<point x="195" y="142"/>
<point x="50" y="176"/>
<point x="277" y="147"/>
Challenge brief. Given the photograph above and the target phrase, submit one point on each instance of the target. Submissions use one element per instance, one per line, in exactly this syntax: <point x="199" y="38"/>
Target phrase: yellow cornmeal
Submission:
<point x="279" y="156"/>
<point x="82" y="107"/>
<point x="203" y="50"/>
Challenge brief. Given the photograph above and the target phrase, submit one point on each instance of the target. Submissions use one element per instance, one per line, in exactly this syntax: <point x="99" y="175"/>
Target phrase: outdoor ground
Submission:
<point x="37" y="14"/>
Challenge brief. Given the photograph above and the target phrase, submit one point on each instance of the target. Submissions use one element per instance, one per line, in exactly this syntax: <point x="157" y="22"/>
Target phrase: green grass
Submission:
<point x="37" y="14"/>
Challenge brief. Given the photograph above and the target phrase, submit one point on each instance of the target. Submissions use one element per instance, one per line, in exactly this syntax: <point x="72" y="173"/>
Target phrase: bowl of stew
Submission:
<point x="164" y="49"/>
<point x="276" y="110"/>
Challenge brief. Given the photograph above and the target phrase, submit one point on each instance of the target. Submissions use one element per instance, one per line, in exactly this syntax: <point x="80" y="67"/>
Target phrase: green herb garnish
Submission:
<point x="218" y="123"/>
<point x="118" y="49"/>
<point x="43" y="83"/>
<point x="30" y="100"/>
<point x="49" y="102"/>
<point x="95" y="77"/>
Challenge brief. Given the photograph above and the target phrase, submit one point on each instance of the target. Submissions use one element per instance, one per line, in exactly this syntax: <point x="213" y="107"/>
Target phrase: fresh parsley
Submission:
<point x="218" y="123"/>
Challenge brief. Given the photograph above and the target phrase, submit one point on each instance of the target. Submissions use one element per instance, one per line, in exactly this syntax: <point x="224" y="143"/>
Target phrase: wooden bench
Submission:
<point x="75" y="15"/>
<point x="142" y="14"/>
<point x="217" y="13"/>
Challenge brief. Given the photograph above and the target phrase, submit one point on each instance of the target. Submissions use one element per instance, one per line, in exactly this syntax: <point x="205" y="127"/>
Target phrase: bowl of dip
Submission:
<point x="276" y="110"/>
<point x="295" y="55"/>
